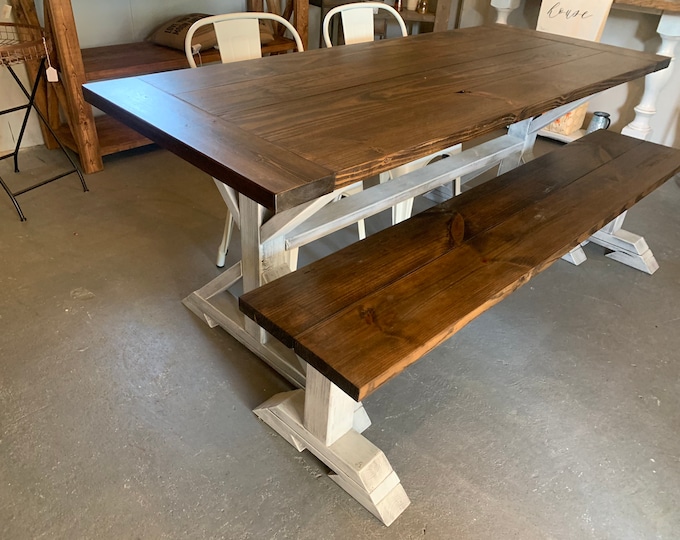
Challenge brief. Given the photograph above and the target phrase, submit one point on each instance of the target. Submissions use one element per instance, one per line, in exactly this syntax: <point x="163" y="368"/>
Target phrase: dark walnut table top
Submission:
<point x="286" y="129"/>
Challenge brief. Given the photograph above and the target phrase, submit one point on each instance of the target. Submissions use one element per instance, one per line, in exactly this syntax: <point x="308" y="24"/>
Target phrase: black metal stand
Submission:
<point x="28" y="106"/>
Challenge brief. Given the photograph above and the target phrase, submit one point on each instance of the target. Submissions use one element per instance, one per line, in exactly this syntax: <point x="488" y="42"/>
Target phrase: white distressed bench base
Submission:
<point x="359" y="467"/>
<point x="626" y="247"/>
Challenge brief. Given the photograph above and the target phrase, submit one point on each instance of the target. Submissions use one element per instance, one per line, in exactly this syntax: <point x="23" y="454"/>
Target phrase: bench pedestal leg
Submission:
<point x="626" y="247"/>
<point x="321" y="420"/>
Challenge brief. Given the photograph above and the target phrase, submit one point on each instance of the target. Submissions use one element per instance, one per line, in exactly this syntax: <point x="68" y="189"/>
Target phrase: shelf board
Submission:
<point x="132" y="59"/>
<point x="408" y="15"/>
<point x="113" y="136"/>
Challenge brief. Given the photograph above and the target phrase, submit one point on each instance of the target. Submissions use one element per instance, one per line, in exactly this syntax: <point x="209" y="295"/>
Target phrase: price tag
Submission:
<point x="6" y="11"/>
<point x="52" y="75"/>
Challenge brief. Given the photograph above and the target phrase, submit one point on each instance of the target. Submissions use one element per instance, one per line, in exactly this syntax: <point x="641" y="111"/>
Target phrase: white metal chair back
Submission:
<point x="238" y="38"/>
<point x="238" y="35"/>
<point x="582" y="19"/>
<point x="357" y="21"/>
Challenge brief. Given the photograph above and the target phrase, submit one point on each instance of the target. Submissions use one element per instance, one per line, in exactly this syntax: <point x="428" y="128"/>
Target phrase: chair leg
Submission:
<point x="362" y="229"/>
<point x="293" y="259"/>
<point x="361" y="225"/>
<point x="456" y="187"/>
<point x="402" y="211"/>
<point x="226" y="239"/>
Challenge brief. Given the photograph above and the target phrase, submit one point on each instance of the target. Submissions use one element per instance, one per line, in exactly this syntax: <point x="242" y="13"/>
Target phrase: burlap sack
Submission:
<point x="173" y="32"/>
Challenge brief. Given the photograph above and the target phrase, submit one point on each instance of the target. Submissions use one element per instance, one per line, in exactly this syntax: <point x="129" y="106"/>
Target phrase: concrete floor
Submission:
<point x="556" y="414"/>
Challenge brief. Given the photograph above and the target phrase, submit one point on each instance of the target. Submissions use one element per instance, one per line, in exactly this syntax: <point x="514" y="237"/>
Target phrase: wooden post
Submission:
<point x="59" y="15"/>
<point x="301" y="20"/>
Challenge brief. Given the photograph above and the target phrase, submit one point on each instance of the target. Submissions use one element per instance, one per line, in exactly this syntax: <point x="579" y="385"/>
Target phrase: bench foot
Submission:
<point x="627" y="248"/>
<point x="359" y="467"/>
<point x="576" y="256"/>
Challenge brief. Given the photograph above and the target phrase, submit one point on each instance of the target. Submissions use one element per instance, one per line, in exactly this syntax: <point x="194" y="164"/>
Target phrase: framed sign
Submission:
<point x="583" y="19"/>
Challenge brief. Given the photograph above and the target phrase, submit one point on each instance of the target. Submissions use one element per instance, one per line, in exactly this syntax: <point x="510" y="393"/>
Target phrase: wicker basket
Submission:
<point x="21" y="42"/>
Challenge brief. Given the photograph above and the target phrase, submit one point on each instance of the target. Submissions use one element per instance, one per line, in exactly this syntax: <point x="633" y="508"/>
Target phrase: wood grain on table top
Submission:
<point x="288" y="128"/>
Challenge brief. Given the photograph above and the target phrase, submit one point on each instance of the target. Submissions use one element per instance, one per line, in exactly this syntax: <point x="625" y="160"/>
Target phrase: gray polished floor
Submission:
<point x="556" y="414"/>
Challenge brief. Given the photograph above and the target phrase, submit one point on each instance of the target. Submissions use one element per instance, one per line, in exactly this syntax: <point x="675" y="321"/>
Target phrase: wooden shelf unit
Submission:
<point x="93" y="137"/>
<point x="439" y="18"/>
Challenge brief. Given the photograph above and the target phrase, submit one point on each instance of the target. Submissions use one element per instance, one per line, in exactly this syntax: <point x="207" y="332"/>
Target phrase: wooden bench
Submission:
<point x="361" y="315"/>
<point x="93" y="137"/>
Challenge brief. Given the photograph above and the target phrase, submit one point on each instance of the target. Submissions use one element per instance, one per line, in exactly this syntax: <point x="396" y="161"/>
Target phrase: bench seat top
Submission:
<point x="363" y="314"/>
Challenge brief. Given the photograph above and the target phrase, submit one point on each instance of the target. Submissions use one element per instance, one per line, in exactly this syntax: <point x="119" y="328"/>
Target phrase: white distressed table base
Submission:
<point x="321" y="422"/>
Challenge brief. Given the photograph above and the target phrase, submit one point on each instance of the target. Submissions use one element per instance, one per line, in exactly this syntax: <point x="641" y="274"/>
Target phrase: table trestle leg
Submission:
<point x="232" y="218"/>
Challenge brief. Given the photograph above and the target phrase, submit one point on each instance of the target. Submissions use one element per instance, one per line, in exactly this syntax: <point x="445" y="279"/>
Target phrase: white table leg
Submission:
<point x="230" y="198"/>
<point x="320" y="419"/>
<point x="526" y="131"/>
<point x="576" y="256"/>
<point x="261" y="261"/>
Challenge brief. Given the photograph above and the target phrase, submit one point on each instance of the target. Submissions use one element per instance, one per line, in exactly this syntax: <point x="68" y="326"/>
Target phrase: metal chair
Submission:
<point x="358" y="25"/>
<point x="238" y="38"/>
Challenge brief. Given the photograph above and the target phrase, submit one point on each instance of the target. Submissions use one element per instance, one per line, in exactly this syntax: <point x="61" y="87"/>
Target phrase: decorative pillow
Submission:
<point x="173" y="32"/>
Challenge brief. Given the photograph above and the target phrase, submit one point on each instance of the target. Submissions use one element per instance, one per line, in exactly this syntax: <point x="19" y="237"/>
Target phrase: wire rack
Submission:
<point x="21" y="42"/>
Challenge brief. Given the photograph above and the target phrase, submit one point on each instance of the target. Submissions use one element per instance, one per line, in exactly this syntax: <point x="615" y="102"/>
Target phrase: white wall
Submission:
<point x="103" y="22"/>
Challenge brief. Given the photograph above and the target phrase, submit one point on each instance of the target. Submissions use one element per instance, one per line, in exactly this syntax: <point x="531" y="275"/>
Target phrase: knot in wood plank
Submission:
<point x="456" y="229"/>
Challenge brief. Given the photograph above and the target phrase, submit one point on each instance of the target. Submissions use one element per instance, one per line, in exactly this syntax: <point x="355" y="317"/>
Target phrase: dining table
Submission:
<point x="288" y="134"/>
